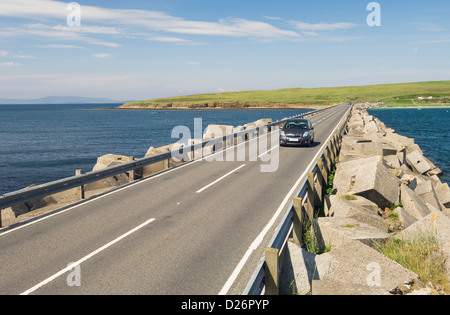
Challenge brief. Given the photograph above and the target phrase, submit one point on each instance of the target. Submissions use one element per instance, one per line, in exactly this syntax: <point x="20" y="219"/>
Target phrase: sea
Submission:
<point x="43" y="143"/>
<point x="429" y="127"/>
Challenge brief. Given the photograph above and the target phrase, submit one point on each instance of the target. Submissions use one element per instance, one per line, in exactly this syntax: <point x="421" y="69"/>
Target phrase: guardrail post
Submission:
<point x="272" y="267"/>
<point x="81" y="189"/>
<point x="132" y="173"/>
<point x="311" y="192"/>
<point x="297" y="221"/>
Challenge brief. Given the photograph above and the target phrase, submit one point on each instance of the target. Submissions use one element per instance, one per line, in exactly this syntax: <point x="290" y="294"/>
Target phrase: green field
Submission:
<point x="401" y="94"/>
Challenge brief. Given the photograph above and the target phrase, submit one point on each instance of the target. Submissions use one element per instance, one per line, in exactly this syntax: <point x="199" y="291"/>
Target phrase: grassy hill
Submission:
<point x="402" y="94"/>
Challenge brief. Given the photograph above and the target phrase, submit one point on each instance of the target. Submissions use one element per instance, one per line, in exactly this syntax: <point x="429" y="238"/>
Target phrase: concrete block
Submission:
<point x="426" y="191"/>
<point x="299" y="269"/>
<point x="443" y="193"/>
<point x="435" y="223"/>
<point x="217" y="131"/>
<point x="392" y="161"/>
<point x="330" y="287"/>
<point x="412" y="203"/>
<point x="370" y="127"/>
<point x="333" y="231"/>
<point x="370" y="178"/>
<point x="370" y="269"/>
<point x="418" y="162"/>
<point x="357" y="208"/>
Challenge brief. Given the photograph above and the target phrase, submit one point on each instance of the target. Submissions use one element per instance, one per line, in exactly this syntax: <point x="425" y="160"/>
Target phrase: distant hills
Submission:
<point x="60" y="100"/>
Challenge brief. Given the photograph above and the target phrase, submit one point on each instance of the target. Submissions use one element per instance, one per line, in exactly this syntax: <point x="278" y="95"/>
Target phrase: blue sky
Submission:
<point x="134" y="50"/>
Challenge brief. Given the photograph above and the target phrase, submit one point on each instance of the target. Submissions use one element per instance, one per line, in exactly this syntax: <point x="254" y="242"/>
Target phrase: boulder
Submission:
<point x="370" y="178"/>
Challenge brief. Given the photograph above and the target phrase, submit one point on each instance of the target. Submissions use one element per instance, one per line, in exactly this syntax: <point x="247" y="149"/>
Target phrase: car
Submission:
<point x="297" y="131"/>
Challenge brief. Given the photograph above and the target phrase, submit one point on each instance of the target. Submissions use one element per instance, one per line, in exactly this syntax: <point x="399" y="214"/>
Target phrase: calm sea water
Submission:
<point x="43" y="143"/>
<point x="430" y="128"/>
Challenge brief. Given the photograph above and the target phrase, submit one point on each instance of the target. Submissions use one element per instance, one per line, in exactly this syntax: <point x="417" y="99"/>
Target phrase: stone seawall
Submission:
<point x="383" y="188"/>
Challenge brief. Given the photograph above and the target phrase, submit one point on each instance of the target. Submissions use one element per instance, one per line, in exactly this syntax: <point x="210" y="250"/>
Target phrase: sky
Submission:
<point x="138" y="50"/>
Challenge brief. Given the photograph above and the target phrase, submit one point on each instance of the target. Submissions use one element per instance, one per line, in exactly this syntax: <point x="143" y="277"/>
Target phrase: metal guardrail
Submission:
<point x="43" y="190"/>
<point x="265" y="276"/>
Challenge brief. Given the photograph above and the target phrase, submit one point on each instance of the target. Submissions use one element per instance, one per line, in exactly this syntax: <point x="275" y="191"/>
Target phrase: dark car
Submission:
<point x="297" y="132"/>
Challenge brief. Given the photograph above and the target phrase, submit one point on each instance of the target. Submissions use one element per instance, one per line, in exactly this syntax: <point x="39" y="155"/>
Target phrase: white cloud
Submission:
<point x="302" y="26"/>
<point x="102" y="56"/>
<point x="143" y="19"/>
<point x="56" y="46"/>
<point x="172" y="40"/>
<point x="10" y="64"/>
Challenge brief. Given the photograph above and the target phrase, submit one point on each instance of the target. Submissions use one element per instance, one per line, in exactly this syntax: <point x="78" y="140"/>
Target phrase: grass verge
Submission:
<point x="423" y="255"/>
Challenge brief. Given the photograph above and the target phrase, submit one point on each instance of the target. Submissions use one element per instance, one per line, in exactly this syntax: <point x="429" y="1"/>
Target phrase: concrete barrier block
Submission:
<point x="426" y="191"/>
<point x="418" y="162"/>
<point x="412" y="203"/>
<point x="370" y="178"/>
<point x="443" y="193"/>
<point x="370" y="269"/>
<point x="357" y="208"/>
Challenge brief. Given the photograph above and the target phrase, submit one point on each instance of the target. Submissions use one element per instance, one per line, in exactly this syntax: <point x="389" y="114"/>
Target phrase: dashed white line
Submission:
<point x="218" y="180"/>
<point x="73" y="265"/>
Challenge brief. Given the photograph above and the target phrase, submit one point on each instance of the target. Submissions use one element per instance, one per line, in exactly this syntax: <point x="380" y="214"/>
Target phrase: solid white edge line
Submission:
<point x="73" y="265"/>
<point x="218" y="180"/>
<point x="266" y="229"/>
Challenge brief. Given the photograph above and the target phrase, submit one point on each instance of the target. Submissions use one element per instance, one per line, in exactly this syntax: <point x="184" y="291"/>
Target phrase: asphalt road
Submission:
<point x="197" y="229"/>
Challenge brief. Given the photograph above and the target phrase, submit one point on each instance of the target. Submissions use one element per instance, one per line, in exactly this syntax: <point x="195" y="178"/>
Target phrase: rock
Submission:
<point x="369" y="178"/>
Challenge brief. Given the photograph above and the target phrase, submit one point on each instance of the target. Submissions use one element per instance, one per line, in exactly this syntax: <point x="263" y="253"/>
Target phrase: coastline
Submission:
<point x="165" y="108"/>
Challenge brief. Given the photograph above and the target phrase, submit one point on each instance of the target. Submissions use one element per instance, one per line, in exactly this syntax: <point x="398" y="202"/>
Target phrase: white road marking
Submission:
<point x="73" y="265"/>
<point x="218" y="180"/>
<point x="268" y="151"/>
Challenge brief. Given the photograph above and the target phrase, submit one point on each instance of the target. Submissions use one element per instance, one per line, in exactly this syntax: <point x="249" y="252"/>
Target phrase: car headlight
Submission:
<point x="282" y="134"/>
<point x="306" y="134"/>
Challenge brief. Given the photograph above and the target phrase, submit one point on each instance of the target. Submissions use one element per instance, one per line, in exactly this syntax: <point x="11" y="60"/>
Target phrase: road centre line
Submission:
<point x="218" y="180"/>
<point x="268" y="151"/>
<point x="75" y="264"/>
<point x="257" y="242"/>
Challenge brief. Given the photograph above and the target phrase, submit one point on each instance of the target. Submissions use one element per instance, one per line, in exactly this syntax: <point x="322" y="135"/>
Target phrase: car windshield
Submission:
<point x="296" y="125"/>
